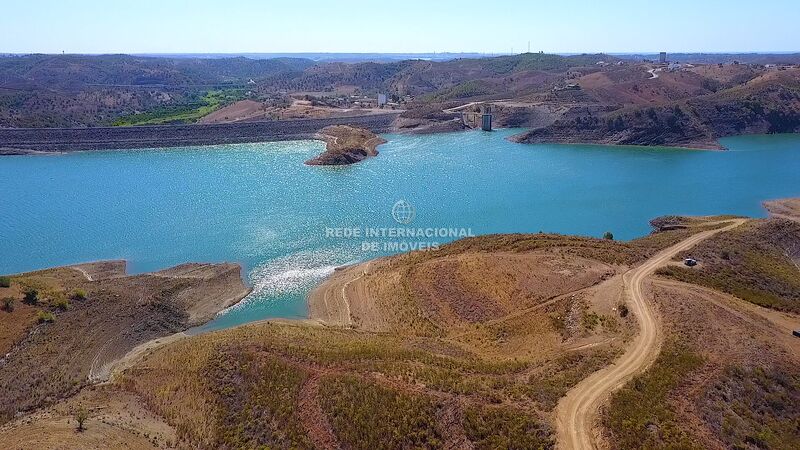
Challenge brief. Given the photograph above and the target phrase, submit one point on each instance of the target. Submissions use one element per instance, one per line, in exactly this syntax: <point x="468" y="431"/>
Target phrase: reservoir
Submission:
<point x="290" y="225"/>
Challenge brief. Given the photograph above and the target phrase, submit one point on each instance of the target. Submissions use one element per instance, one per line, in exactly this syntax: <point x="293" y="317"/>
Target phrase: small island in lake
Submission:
<point x="346" y="144"/>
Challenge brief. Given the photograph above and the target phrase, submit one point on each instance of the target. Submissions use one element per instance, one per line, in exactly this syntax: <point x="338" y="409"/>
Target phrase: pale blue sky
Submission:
<point x="220" y="26"/>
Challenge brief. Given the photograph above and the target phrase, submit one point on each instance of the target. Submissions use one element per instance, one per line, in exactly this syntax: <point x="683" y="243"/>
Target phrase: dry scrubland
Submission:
<point x="470" y="346"/>
<point x="63" y="329"/>
<point x="728" y="375"/>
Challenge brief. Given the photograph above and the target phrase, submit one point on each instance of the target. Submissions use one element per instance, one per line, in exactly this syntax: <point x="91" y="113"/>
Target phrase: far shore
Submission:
<point x="49" y="141"/>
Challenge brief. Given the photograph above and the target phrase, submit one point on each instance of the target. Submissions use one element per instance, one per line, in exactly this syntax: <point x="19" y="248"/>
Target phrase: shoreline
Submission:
<point x="52" y="141"/>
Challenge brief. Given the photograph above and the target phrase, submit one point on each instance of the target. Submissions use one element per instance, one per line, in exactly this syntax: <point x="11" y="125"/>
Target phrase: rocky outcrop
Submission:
<point x="346" y="145"/>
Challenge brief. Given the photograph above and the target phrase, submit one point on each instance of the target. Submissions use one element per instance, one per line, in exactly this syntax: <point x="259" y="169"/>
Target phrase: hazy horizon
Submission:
<point x="359" y="26"/>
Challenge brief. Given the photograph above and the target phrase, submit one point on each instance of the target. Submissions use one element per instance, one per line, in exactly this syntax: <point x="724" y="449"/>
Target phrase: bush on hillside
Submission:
<point x="61" y="303"/>
<point x="45" y="317"/>
<point x="31" y="297"/>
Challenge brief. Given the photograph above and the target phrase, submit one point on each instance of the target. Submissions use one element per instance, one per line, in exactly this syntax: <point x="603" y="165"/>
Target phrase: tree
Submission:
<point x="80" y="416"/>
<point x="608" y="235"/>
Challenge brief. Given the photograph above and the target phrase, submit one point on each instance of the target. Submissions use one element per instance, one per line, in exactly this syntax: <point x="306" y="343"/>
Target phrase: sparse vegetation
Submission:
<point x="256" y="396"/>
<point x="8" y="304"/>
<point x="365" y="415"/>
<point x="5" y="282"/>
<point x="492" y="428"/>
<point x="61" y="303"/>
<point x="756" y="407"/>
<point x="79" y="294"/>
<point x="553" y="380"/>
<point x="639" y="415"/>
<point x="45" y="317"/>
<point x="753" y="262"/>
<point x="31" y="297"/>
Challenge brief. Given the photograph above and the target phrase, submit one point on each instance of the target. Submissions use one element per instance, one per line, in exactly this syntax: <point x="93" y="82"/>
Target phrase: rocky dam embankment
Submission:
<point x="31" y="140"/>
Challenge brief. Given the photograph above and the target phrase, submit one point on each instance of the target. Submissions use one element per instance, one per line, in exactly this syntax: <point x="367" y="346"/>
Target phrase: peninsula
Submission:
<point x="346" y="145"/>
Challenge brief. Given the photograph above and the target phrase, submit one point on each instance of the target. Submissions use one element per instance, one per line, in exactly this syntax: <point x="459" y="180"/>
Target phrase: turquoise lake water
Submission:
<point x="257" y="204"/>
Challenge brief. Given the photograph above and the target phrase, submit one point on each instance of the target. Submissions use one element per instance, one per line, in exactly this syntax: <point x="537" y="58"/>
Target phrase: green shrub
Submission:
<point x="79" y="294"/>
<point x="61" y="303"/>
<point x="5" y="282"/>
<point x="608" y="236"/>
<point x="8" y="304"/>
<point x="623" y="310"/>
<point x="31" y="297"/>
<point x="45" y="317"/>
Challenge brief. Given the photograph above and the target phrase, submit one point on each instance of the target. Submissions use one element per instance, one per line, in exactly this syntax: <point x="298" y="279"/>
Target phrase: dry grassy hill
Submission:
<point x="728" y="375"/>
<point x="469" y="346"/>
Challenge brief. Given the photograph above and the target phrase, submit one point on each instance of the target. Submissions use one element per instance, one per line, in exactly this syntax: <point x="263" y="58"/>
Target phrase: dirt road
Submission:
<point x="577" y="412"/>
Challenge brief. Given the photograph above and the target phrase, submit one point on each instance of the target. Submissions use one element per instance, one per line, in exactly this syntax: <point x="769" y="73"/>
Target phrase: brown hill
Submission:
<point x="471" y="345"/>
<point x="766" y="104"/>
<point x="68" y="323"/>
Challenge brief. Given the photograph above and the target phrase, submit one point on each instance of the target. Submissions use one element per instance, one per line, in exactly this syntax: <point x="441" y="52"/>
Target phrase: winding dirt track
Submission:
<point x="577" y="412"/>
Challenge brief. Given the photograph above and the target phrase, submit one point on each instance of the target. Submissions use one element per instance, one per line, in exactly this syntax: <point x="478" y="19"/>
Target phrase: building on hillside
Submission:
<point x="382" y="100"/>
<point x="662" y="57"/>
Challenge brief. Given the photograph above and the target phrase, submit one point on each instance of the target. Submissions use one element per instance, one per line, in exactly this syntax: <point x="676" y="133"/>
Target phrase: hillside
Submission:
<point x="83" y="90"/>
<point x="569" y="99"/>
<point x="765" y="104"/>
<point x="64" y="325"/>
<point x="470" y="346"/>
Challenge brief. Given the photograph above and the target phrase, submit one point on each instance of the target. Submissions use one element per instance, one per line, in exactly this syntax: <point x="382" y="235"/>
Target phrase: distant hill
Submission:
<point x="73" y="71"/>
<point x="584" y="98"/>
<point x="720" y="58"/>
<point x="768" y="103"/>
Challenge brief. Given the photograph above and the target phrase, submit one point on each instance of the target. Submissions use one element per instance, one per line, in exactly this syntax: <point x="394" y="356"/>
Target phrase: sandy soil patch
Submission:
<point x="115" y="419"/>
<point x="787" y="208"/>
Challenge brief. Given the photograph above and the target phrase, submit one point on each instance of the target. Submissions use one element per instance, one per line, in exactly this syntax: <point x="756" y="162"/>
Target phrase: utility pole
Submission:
<point x="529" y="46"/>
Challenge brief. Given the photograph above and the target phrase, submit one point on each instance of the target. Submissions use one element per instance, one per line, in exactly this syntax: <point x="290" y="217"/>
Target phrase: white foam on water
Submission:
<point x="294" y="273"/>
